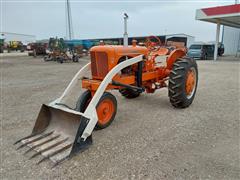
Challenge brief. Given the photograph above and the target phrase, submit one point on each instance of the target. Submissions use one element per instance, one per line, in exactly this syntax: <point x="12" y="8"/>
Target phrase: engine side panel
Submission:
<point x="106" y="57"/>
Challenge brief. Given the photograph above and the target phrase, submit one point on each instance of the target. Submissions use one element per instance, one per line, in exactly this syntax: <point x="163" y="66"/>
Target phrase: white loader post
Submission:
<point x="80" y="74"/>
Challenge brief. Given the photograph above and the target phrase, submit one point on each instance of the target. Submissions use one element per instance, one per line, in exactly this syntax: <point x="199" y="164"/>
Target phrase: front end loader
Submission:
<point x="62" y="131"/>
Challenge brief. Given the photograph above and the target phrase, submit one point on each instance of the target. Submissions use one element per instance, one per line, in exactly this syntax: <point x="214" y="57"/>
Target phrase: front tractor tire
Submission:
<point x="106" y="108"/>
<point x="183" y="81"/>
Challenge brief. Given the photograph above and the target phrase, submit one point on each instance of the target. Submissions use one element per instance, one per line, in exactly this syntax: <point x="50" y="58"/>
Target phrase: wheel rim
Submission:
<point x="190" y="82"/>
<point x="105" y="111"/>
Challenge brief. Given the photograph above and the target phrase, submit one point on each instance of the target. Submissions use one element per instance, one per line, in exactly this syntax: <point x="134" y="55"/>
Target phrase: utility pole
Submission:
<point x="69" y="26"/>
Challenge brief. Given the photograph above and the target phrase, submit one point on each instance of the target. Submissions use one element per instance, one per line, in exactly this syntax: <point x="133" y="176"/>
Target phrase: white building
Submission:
<point x="231" y="40"/>
<point x="24" y="38"/>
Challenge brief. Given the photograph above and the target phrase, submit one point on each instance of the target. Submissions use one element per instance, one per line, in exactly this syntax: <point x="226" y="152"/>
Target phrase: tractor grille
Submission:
<point x="93" y="64"/>
<point x="99" y="64"/>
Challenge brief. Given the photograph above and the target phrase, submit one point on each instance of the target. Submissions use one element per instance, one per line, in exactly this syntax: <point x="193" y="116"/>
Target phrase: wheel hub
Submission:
<point x="105" y="111"/>
<point x="190" y="82"/>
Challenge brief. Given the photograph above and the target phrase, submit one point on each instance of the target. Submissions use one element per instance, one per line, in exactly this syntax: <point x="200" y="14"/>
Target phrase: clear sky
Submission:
<point x="104" y="18"/>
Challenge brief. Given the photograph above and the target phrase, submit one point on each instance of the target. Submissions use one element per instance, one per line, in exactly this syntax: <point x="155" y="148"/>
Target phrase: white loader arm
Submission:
<point x="91" y="112"/>
<point x="74" y="81"/>
<point x="58" y="103"/>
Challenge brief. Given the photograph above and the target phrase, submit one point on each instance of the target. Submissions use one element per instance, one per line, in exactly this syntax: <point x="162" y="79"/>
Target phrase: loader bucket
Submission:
<point x="56" y="135"/>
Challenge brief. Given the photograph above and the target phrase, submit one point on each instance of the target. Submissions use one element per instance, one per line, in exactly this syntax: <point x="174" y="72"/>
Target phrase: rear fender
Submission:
<point x="177" y="53"/>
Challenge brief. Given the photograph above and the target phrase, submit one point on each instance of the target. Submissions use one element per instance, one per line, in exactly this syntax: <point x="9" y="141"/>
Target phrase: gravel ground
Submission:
<point x="149" y="139"/>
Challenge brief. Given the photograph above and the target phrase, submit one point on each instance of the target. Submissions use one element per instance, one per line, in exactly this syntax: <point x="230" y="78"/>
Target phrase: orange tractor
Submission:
<point x="62" y="131"/>
<point x="179" y="73"/>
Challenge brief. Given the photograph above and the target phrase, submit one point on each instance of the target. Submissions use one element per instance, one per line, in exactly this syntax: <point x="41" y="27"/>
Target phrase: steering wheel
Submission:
<point x="153" y="45"/>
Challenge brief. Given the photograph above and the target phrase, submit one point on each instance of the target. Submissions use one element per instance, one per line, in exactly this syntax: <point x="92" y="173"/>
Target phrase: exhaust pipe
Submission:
<point x="125" y="35"/>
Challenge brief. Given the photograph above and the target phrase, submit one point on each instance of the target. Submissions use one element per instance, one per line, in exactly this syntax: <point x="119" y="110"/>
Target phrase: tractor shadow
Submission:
<point x="146" y="101"/>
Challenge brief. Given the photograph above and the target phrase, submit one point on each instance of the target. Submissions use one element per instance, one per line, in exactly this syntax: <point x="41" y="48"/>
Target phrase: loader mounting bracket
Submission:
<point x="136" y="88"/>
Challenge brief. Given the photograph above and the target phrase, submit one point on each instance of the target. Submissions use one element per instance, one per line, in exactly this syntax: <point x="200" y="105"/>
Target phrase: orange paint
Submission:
<point x="105" y="111"/>
<point x="105" y="57"/>
<point x="190" y="82"/>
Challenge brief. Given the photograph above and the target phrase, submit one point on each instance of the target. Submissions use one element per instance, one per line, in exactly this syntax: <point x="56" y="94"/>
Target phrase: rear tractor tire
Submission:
<point x="106" y="108"/>
<point x="129" y="93"/>
<point x="183" y="82"/>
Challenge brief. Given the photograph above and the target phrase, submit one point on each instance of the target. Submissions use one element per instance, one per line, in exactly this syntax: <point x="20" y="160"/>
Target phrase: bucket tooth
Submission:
<point x="60" y="157"/>
<point x="18" y="141"/>
<point x="25" y="142"/>
<point x="42" y="142"/>
<point x="63" y="158"/>
<point x="54" y="151"/>
<point x="47" y="147"/>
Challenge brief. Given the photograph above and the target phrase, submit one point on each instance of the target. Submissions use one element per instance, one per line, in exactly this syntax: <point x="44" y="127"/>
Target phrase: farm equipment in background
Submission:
<point x="64" y="127"/>
<point x="15" y="46"/>
<point x="80" y="51"/>
<point x="80" y="47"/>
<point x="36" y="49"/>
<point x="59" y="51"/>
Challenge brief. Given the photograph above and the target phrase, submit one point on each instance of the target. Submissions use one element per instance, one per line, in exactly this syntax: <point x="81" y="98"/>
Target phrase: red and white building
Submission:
<point x="229" y="17"/>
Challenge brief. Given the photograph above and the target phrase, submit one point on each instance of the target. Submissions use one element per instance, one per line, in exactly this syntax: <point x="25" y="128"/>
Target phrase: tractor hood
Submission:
<point x="106" y="57"/>
<point x="130" y="51"/>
